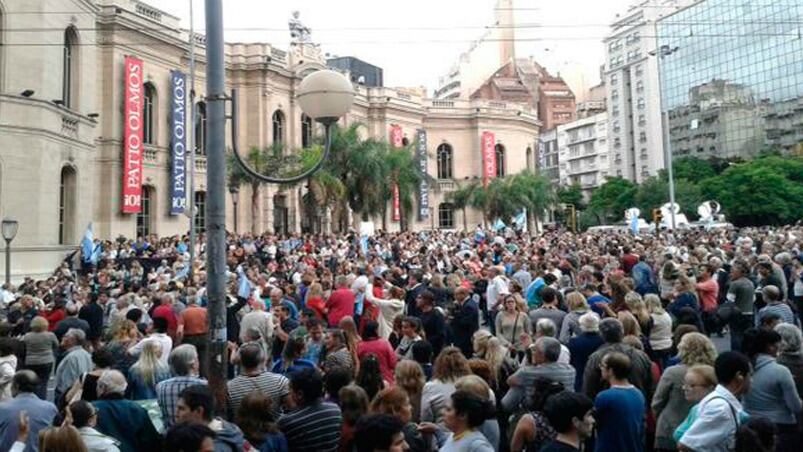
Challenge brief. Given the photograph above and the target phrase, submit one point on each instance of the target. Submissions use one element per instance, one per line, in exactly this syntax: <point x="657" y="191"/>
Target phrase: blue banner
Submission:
<point x="178" y="143"/>
<point x="423" y="187"/>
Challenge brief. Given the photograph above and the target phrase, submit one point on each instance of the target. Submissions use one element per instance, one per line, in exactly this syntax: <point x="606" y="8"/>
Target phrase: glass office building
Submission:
<point x="734" y="86"/>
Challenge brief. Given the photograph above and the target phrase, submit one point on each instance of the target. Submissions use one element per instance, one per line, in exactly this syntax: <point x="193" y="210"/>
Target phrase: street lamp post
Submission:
<point x="661" y="52"/>
<point x="10" y="227"/>
<point x="234" y="190"/>
<point x="324" y="96"/>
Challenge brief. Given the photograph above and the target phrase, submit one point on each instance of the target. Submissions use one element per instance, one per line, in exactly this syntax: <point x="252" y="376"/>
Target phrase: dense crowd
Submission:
<point x="453" y="341"/>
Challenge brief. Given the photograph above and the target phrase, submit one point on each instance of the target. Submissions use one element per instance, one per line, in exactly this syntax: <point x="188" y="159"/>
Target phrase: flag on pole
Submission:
<point x="244" y="286"/>
<point x="90" y="253"/>
<point x="634" y="224"/>
<point x="521" y="219"/>
<point x="499" y="225"/>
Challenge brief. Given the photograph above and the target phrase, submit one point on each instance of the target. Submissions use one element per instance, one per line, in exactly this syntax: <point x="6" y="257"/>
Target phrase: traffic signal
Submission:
<point x="657" y="216"/>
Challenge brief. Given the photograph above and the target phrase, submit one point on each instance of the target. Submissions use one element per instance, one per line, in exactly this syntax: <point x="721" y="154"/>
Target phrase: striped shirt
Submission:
<point x="339" y="358"/>
<point x="167" y="393"/>
<point x="781" y="309"/>
<point x="275" y="386"/>
<point x="313" y="428"/>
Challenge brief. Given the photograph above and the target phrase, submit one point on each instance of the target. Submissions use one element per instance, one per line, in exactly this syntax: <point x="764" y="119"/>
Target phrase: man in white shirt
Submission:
<point x="495" y="293"/>
<point x="159" y="335"/>
<point x="720" y="413"/>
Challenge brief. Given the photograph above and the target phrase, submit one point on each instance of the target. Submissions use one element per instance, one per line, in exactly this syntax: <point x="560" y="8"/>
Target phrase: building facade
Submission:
<point x="633" y="101"/>
<point x="359" y="71"/>
<point x="583" y="152"/>
<point x="549" y="156"/>
<point x="734" y="86"/>
<point x="62" y="96"/>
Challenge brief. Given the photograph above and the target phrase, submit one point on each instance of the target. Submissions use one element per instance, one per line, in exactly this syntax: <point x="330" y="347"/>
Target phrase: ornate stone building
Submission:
<point x="62" y="95"/>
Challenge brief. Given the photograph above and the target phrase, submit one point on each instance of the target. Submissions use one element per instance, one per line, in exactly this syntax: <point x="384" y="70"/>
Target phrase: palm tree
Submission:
<point x="537" y="192"/>
<point x="402" y="169"/>
<point x="462" y="199"/>
<point x="263" y="160"/>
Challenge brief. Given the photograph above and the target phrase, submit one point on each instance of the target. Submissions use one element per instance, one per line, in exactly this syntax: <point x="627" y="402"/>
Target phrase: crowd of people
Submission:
<point x="473" y="341"/>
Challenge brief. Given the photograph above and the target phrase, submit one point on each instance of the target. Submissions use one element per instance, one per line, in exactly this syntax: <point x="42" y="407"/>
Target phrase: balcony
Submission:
<point x="150" y="154"/>
<point x="446" y="185"/>
<point x="200" y="163"/>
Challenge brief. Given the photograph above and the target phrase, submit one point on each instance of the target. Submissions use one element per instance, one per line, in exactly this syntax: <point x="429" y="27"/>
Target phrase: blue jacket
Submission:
<point x="128" y="423"/>
<point x="772" y="394"/>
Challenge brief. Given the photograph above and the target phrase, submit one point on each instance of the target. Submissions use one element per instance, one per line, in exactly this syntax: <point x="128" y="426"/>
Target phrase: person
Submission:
<point x="775" y="305"/>
<point x="683" y="297"/>
<point x="492" y="429"/>
<point x="450" y="365"/>
<point x="125" y="337"/>
<point x="491" y="350"/>
<point x="190" y="437"/>
<point x="640" y="375"/>
<point x="465" y="321"/>
<point x="620" y="409"/>
<point x="255" y="377"/>
<point x="571" y="415"/>
<point x="741" y="292"/>
<point x="583" y="345"/>
<point x="71" y="321"/>
<point x="158" y="335"/>
<point x="260" y="321"/>
<point x="194" y="330"/>
<point x="660" y="337"/>
<point x="718" y="414"/>
<point x="410" y="377"/>
<point x="315" y="342"/>
<point x="353" y="405"/>
<point x="388" y="309"/>
<point x="511" y="324"/>
<point x="92" y="314"/>
<point x="411" y="333"/>
<point x="708" y="293"/>
<point x="544" y="355"/>
<point x="258" y="423"/>
<point x="146" y="373"/>
<point x="85" y="417"/>
<point x="341" y="303"/>
<point x="57" y="439"/>
<point x="791" y="353"/>
<point x="197" y="405"/>
<point x="337" y="353"/>
<point x="549" y="309"/>
<point x="669" y="403"/>
<point x="570" y="327"/>
<point x="314" y="425"/>
<point x="756" y="435"/>
<point x="40" y="413"/>
<point x="380" y="433"/>
<point x="292" y="356"/>
<point x="75" y="363"/>
<point x="698" y="382"/>
<point x="395" y="402"/>
<point x="772" y="394"/>
<point x="372" y="344"/>
<point x="184" y="366"/>
<point x="432" y="321"/>
<point x="416" y="285"/>
<point x="533" y="430"/>
<point x="40" y="352"/>
<point x="464" y="413"/>
<point x="8" y="366"/>
<point x="121" y="419"/>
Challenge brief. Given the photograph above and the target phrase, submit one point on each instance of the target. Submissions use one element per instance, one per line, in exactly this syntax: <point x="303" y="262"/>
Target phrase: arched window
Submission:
<point x="200" y="129"/>
<point x="200" y="209"/>
<point x="306" y="131"/>
<point x="444" y="161"/>
<point x="278" y="127"/>
<point x="144" y="215"/>
<point x="148" y="114"/>
<point x="500" y="160"/>
<point x="67" y="206"/>
<point x="405" y="142"/>
<point x="446" y="216"/>
<point x="69" y="74"/>
<point x="530" y="162"/>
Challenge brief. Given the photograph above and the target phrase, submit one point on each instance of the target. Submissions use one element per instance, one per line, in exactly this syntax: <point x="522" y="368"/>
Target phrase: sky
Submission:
<point x="416" y="41"/>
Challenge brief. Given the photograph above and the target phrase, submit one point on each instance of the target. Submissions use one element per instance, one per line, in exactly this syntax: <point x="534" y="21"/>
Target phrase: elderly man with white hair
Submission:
<point x="122" y="419"/>
<point x="76" y="362"/>
<point x="584" y="344"/>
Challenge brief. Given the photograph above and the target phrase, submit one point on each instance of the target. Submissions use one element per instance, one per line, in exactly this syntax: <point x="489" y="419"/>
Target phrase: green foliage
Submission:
<point x="654" y="192"/>
<point x="610" y="200"/>
<point x="503" y="198"/>
<point x="690" y="168"/>
<point x="573" y="194"/>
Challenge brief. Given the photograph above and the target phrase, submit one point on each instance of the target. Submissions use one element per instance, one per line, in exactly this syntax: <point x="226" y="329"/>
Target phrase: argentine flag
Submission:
<point x="634" y="224"/>
<point x="244" y="287"/>
<point x="499" y="225"/>
<point x="89" y="252"/>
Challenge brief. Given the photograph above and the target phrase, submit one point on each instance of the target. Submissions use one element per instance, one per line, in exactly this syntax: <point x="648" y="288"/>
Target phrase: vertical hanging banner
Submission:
<point x="178" y="143"/>
<point x="423" y="187"/>
<point x="132" y="136"/>
<point x="488" y="157"/>
<point x="397" y="141"/>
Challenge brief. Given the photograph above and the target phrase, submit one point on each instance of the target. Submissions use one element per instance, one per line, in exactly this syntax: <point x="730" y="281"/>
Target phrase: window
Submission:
<point x="67" y="192"/>
<point x="144" y="215"/>
<point x="642" y="137"/>
<point x="444" y="161"/>
<point x="500" y="160"/>
<point x="614" y="79"/>
<point x="640" y="86"/>
<point x="148" y="122"/>
<point x="278" y="127"/>
<point x="642" y="120"/>
<point x="446" y="216"/>
<point x="70" y="67"/>
<point x="306" y="131"/>
<point x="200" y="211"/>
<point x="200" y="129"/>
<point x="616" y="127"/>
<point x="641" y="103"/>
<point x="530" y="163"/>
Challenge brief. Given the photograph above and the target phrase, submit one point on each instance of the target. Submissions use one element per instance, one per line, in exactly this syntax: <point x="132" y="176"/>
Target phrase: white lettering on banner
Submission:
<point x="179" y="146"/>
<point x="132" y="136"/>
<point x="423" y="187"/>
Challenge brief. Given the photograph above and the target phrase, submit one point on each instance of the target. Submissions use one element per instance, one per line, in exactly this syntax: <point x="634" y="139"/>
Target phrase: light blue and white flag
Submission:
<point x="499" y="225"/>
<point x="89" y="251"/>
<point x="521" y="219"/>
<point x="183" y="273"/>
<point x="634" y="224"/>
<point x="244" y="286"/>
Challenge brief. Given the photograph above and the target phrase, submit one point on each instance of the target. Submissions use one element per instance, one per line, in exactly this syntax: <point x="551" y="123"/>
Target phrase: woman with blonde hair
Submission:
<point x="511" y="323"/>
<point x="410" y="377"/>
<point x="661" y="333"/>
<point x="147" y="372"/>
<point x="477" y="386"/>
<point x="450" y="365"/>
<point x="315" y="300"/>
<point x="126" y="336"/>
<point x="685" y="297"/>
<point x="40" y="352"/>
<point x="638" y="308"/>
<point x="349" y="329"/>
<point x="669" y="402"/>
<point x="491" y="349"/>
<point x="61" y="439"/>
<point x="570" y="326"/>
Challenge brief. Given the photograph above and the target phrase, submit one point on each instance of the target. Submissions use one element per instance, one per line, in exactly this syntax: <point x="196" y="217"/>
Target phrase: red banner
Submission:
<point x="396" y="136"/>
<point x="132" y="136"/>
<point x="396" y="203"/>
<point x="488" y="157"/>
<point x="397" y="141"/>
